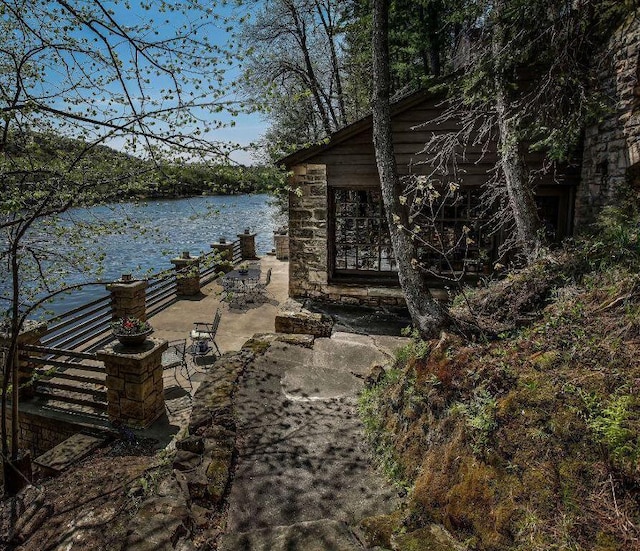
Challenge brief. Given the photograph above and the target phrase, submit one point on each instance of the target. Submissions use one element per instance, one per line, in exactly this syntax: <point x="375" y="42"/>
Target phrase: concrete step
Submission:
<point x="72" y="450"/>
<point x="317" y="535"/>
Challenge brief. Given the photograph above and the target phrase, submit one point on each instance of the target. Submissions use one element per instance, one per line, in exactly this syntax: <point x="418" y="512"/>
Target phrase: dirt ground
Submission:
<point x="87" y="507"/>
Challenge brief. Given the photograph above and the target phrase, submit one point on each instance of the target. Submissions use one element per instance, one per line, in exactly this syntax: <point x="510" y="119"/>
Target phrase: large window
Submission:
<point x="452" y="236"/>
<point x="452" y="239"/>
<point x="361" y="244"/>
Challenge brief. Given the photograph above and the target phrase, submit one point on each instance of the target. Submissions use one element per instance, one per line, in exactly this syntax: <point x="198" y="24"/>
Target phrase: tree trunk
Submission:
<point x="519" y="191"/>
<point x="521" y="198"/>
<point x="426" y="313"/>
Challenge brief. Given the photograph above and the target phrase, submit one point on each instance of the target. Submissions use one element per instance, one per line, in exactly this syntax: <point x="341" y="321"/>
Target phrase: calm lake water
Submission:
<point x="174" y="225"/>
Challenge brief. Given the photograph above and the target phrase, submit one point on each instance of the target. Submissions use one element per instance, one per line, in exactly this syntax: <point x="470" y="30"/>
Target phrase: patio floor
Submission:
<point x="237" y="324"/>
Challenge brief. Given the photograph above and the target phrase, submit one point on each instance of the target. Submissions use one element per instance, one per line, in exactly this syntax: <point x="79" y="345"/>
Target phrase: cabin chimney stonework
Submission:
<point x="611" y="153"/>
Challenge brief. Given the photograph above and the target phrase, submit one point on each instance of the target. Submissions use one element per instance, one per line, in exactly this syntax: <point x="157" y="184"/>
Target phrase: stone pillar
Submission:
<point x="187" y="275"/>
<point x="281" y="242"/>
<point x="128" y="298"/>
<point x="225" y="251"/>
<point x="135" y="394"/>
<point x="248" y="245"/>
<point x="31" y="333"/>
<point x="308" y="258"/>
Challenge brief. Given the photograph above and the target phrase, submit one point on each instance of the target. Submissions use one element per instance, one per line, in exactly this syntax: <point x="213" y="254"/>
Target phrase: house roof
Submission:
<point x="339" y="136"/>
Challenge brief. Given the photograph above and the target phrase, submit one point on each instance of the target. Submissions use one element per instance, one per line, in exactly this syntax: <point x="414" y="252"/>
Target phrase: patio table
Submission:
<point x="238" y="284"/>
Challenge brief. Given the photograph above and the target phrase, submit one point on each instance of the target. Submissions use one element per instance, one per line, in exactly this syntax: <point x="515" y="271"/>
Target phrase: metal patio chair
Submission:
<point x="203" y="335"/>
<point x="259" y="291"/>
<point x="175" y="357"/>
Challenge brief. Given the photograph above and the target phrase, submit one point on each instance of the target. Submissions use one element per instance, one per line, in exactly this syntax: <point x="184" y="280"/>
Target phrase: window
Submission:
<point x="361" y="247"/>
<point x="455" y="229"/>
<point x="361" y="242"/>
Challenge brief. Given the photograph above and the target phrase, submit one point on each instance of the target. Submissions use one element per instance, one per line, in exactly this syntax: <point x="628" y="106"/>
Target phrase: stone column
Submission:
<point x="135" y="393"/>
<point x="31" y="333"/>
<point x="248" y="245"/>
<point x="128" y="298"/>
<point x="187" y="275"/>
<point x="281" y="242"/>
<point x="225" y="251"/>
<point x="309" y="267"/>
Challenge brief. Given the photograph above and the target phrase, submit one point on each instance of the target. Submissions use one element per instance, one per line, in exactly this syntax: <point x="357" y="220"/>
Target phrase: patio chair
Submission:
<point x="175" y="357"/>
<point x="203" y="335"/>
<point x="259" y="290"/>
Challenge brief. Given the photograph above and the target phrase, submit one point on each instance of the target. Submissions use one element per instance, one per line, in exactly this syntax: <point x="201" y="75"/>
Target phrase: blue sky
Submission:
<point x="216" y="24"/>
<point x="247" y="127"/>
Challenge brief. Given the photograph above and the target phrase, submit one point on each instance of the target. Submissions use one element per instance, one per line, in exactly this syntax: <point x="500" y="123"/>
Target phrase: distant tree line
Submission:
<point x="144" y="178"/>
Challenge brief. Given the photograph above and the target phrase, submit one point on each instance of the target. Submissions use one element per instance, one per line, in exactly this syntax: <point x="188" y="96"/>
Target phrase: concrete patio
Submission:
<point x="237" y="324"/>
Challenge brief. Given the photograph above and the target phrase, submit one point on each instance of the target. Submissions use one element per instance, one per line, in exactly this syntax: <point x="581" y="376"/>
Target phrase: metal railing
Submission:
<point x="68" y="371"/>
<point x="78" y="327"/>
<point x="68" y="377"/>
<point x="87" y="327"/>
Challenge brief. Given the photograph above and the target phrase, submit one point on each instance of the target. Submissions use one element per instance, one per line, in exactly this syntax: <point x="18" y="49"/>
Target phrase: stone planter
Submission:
<point x="128" y="340"/>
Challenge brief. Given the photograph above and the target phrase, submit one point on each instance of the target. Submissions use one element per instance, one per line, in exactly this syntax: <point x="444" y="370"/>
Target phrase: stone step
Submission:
<point x="72" y="450"/>
<point x="316" y="535"/>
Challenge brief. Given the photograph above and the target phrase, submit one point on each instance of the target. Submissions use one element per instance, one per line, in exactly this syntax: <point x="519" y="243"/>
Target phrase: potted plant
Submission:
<point x="243" y="269"/>
<point x="131" y="331"/>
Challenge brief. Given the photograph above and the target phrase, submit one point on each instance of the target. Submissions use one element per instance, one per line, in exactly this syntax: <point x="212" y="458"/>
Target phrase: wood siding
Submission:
<point x="351" y="161"/>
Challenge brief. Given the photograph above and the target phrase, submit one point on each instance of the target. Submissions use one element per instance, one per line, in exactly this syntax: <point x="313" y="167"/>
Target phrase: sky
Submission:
<point x="212" y="21"/>
<point x="245" y="128"/>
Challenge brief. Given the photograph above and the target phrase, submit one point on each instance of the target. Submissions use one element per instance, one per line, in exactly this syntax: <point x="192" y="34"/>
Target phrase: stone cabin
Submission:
<point x="339" y="245"/>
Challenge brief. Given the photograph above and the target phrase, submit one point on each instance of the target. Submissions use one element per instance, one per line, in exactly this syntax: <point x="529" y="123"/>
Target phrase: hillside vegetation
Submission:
<point x="119" y="175"/>
<point x="527" y="440"/>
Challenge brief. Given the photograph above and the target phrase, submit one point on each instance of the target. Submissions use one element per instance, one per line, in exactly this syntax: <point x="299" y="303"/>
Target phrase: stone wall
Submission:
<point x="611" y="152"/>
<point x="41" y="431"/>
<point x="308" y="231"/>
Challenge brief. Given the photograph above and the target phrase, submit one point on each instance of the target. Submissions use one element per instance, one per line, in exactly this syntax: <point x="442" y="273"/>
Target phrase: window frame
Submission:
<point x="340" y="275"/>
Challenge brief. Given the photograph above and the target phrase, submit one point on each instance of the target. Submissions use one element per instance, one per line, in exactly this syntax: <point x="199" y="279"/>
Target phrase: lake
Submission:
<point x="172" y="226"/>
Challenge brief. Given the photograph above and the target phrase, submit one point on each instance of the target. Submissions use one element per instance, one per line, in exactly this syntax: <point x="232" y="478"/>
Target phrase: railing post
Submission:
<point x="135" y="392"/>
<point x="187" y="274"/>
<point x="247" y="245"/>
<point x="281" y="242"/>
<point x="128" y="298"/>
